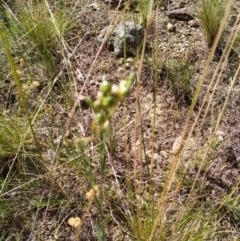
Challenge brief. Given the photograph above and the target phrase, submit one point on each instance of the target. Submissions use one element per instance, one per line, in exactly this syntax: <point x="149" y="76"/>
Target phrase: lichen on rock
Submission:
<point x="126" y="32"/>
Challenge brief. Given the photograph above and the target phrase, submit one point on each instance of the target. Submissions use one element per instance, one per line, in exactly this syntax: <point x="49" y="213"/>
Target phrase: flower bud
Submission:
<point x="90" y="195"/>
<point x="96" y="190"/>
<point x="88" y="101"/>
<point x="108" y="101"/>
<point x="115" y="91"/>
<point x="99" y="118"/>
<point x="105" y="87"/>
<point x="35" y="84"/>
<point x="99" y="95"/>
<point x="105" y="125"/>
<point x="123" y="83"/>
<point x="97" y="105"/>
<point x="124" y="91"/>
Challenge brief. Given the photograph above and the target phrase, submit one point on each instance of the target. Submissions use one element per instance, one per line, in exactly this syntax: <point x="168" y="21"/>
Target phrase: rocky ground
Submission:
<point x="180" y="39"/>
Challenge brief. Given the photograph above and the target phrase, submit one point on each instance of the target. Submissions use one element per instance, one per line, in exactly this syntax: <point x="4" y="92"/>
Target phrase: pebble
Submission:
<point x="94" y="6"/>
<point x="82" y="98"/>
<point x="164" y="154"/>
<point x="157" y="145"/>
<point x="181" y="14"/>
<point x="193" y="24"/>
<point x="156" y="157"/>
<point x="151" y="166"/>
<point x="171" y="28"/>
<point x="220" y="133"/>
<point x="128" y="65"/>
<point x="92" y="82"/>
<point x="176" y="144"/>
<point x="182" y="50"/>
<point x="130" y="60"/>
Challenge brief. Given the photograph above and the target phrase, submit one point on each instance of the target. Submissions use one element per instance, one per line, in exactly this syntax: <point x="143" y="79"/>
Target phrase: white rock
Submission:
<point x="137" y="142"/>
<point x="193" y="24"/>
<point x="220" y="133"/>
<point x="92" y="82"/>
<point x="94" y="6"/>
<point x="130" y="60"/>
<point x="182" y="50"/>
<point x="151" y="166"/>
<point x="58" y="139"/>
<point x="149" y="153"/>
<point x="176" y="144"/>
<point x="156" y="157"/>
<point x="128" y="65"/>
<point x="171" y="28"/>
<point x="164" y="154"/>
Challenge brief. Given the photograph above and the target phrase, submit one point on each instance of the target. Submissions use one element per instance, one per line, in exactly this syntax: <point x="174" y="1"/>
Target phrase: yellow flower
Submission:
<point x="96" y="190"/>
<point x="75" y="222"/>
<point x="90" y="195"/>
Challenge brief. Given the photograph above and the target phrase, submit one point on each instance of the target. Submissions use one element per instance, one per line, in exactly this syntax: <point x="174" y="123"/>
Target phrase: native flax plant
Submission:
<point x="104" y="107"/>
<point x="210" y="14"/>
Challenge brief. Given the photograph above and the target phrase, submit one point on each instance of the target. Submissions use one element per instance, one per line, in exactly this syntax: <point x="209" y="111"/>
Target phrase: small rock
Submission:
<point x="83" y="100"/>
<point x="176" y="126"/>
<point x="128" y="65"/>
<point x="176" y="144"/>
<point x="149" y="153"/>
<point x="120" y="69"/>
<point x="94" y="6"/>
<point x="150" y="166"/>
<point x="193" y="24"/>
<point x="130" y="60"/>
<point x="182" y="14"/>
<point x="164" y="154"/>
<point x="182" y="49"/>
<point x="171" y="28"/>
<point x="79" y="75"/>
<point x="156" y="157"/>
<point x="220" y="133"/>
<point x="138" y="141"/>
<point x="128" y="32"/>
<point x="92" y="82"/>
<point x="57" y="140"/>
<point x="133" y="111"/>
<point x="157" y="145"/>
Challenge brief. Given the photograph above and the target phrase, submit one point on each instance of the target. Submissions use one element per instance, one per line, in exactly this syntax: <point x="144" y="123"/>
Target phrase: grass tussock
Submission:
<point x="14" y="136"/>
<point x="210" y="15"/>
<point x="43" y="30"/>
<point x="92" y="153"/>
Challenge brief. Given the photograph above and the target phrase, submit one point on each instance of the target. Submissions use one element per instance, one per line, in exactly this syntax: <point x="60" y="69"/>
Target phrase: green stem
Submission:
<point x="17" y="81"/>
